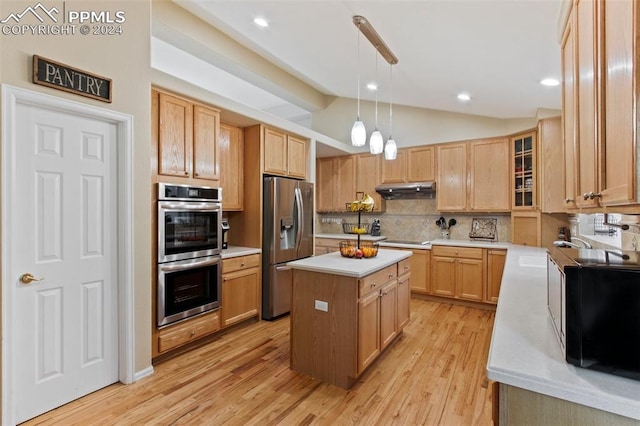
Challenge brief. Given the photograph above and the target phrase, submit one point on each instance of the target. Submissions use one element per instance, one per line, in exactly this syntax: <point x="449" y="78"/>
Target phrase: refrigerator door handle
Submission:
<point x="283" y="268"/>
<point x="298" y="198"/>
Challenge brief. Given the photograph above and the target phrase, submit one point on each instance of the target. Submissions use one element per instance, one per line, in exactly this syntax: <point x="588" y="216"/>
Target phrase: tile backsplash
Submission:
<point x="413" y="220"/>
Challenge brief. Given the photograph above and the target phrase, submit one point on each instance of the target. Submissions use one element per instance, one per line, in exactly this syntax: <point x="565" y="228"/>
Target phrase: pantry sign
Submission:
<point x="63" y="77"/>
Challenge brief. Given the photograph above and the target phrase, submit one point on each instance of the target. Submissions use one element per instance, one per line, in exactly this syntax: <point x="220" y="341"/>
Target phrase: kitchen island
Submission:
<point x="537" y="386"/>
<point x="345" y="312"/>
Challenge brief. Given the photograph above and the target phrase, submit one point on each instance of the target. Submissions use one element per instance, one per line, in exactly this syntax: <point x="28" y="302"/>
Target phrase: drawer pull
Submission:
<point x="242" y="264"/>
<point x="390" y="276"/>
<point x="193" y="333"/>
<point x="373" y="285"/>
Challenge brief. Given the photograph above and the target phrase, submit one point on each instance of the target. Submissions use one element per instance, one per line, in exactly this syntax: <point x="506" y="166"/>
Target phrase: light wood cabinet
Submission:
<point x="240" y="289"/>
<point x="363" y="317"/>
<point x="569" y="114"/>
<point x="368" y="170"/>
<point x="335" y="183"/>
<point x="395" y="171"/>
<point x="525" y="228"/>
<point x="524" y="171"/>
<point x="187" y="138"/>
<point x="284" y="154"/>
<point x="231" y="145"/>
<point x="495" y="267"/>
<point x="473" y="176"/>
<point x="187" y="331"/>
<point x="489" y="175"/>
<point x="326" y="245"/>
<point x="451" y="177"/>
<point x="421" y="164"/>
<point x="598" y="50"/>
<point x="420" y="266"/>
<point x="552" y="163"/>
<point x="458" y="272"/>
<point x="404" y="299"/>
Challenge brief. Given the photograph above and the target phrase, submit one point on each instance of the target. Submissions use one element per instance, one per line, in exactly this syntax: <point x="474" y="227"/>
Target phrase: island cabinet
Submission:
<point x="340" y="321"/>
<point x="458" y="272"/>
<point x="240" y="289"/>
<point x="185" y="135"/>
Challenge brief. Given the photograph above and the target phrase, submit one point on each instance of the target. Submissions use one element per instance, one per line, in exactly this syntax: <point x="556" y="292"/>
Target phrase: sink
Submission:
<point x="533" y="261"/>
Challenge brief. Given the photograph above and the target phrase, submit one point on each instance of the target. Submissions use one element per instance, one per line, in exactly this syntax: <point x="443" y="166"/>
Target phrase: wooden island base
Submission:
<point x="341" y="324"/>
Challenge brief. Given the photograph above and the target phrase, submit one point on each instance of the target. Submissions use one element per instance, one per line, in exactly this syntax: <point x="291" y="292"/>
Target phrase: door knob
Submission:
<point x="28" y="278"/>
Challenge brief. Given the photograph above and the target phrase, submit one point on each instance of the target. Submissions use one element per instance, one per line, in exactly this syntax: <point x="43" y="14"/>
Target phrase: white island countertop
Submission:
<point x="335" y="264"/>
<point x="525" y="351"/>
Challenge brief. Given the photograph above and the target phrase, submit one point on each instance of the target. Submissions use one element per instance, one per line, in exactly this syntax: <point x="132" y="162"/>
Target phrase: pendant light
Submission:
<point x="376" y="143"/>
<point x="390" y="149"/>
<point x="358" y="131"/>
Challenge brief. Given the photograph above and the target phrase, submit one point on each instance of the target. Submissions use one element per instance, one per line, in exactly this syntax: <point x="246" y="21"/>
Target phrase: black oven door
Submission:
<point x="188" y="229"/>
<point x="187" y="288"/>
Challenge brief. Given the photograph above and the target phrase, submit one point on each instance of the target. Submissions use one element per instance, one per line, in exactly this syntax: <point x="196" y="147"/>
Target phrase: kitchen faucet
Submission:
<point x="562" y="243"/>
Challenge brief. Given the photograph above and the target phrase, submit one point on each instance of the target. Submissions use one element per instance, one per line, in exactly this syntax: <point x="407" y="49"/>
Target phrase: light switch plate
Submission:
<point x="322" y="306"/>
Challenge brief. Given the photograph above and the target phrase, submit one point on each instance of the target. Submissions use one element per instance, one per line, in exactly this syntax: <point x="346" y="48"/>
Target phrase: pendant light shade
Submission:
<point x="376" y="142"/>
<point x="391" y="149"/>
<point x="358" y="131"/>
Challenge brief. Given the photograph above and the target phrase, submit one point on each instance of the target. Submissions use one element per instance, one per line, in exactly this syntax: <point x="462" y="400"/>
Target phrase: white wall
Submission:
<point x="125" y="59"/>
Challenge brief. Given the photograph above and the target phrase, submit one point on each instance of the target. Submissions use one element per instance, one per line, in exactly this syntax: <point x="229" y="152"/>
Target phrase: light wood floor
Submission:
<point x="433" y="375"/>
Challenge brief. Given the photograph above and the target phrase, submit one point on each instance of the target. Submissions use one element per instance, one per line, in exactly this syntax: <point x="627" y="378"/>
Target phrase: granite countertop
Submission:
<point x="235" y="251"/>
<point x="525" y="351"/>
<point x="335" y="264"/>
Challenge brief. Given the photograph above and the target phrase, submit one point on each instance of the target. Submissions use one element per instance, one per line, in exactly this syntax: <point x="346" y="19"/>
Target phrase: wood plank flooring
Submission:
<point x="433" y="375"/>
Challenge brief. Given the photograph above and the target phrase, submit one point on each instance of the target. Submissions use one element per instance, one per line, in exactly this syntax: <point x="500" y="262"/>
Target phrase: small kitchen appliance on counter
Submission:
<point x="594" y="302"/>
<point x="224" y="223"/>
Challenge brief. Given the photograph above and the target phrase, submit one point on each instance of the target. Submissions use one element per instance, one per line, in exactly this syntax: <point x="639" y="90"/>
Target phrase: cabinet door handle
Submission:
<point x="592" y="195"/>
<point x="568" y="200"/>
<point x="373" y="285"/>
<point x="390" y="276"/>
<point x="186" y="173"/>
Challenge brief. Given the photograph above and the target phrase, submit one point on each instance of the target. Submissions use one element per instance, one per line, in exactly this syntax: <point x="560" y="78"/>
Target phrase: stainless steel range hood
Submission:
<point x="394" y="191"/>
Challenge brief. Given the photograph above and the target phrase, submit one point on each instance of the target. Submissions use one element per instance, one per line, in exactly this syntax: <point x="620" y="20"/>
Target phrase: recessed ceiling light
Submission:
<point x="550" y="82"/>
<point x="261" y="22"/>
<point x="372" y="86"/>
<point x="464" y="97"/>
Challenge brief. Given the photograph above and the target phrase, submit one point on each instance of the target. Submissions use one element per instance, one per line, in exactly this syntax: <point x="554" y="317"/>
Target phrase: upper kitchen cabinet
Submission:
<point x="335" y="183"/>
<point x="451" y="178"/>
<point x="367" y="170"/>
<point x="552" y="162"/>
<point x="411" y="165"/>
<point x="284" y="154"/>
<point x="473" y="176"/>
<point x="524" y="172"/>
<point x="186" y="133"/>
<point x="421" y="164"/>
<point x="489" y="175"/>
<point x="569" y="114"/>
<point x="231" y="145"/>
<point x="599" y="42"/>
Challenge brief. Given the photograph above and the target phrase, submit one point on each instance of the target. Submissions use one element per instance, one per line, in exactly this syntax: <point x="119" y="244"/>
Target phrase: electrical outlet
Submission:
<point x="322" y="306"/>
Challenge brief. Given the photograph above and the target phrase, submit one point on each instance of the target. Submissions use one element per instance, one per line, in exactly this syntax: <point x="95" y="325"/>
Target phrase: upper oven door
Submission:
<point x="188" y="229"/>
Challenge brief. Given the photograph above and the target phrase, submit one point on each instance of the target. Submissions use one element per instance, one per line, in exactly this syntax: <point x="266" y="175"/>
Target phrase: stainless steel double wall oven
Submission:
<point x="189" y="251"/>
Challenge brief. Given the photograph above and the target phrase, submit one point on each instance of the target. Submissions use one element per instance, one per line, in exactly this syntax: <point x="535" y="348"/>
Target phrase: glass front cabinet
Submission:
<point x="524" y="172"/>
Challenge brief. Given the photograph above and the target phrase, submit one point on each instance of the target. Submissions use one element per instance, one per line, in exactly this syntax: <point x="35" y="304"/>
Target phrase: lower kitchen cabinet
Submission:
<point x="326" y="245"/>
<point x="404" y="293"/>
<point x="495" y="266"/>
<point x="188" y="331"/>
<point x="240" y="289"/>
<point x="458" y="272"/>
<point x="420" y="269"/>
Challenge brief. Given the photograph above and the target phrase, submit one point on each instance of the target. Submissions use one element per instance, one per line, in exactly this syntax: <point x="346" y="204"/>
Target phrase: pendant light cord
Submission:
<point x="377" y="89"/>
<point x="390" y="101"/>
<point x="358" y="69"/>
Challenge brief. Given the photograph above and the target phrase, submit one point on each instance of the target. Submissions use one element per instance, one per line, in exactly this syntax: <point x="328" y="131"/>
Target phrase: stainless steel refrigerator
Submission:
<point x="287" y="234"/>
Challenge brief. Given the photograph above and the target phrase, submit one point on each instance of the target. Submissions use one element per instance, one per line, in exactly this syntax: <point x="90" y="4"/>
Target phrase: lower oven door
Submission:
<point x="187" y="288"/>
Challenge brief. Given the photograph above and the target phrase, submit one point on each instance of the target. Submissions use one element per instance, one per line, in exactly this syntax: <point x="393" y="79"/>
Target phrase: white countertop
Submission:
<point x="335" y="264"/>
<point x="235" y="251"/>
<point x="473" y="243"/>
<point x="525" y="351"/>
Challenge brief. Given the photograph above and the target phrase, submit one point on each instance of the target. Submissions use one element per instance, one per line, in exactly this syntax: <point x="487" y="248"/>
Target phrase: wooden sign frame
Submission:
<point x="69" y="79"/>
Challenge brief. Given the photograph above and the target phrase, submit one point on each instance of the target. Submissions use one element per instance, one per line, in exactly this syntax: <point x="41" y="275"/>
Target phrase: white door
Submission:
<point x="63" y="231"/>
